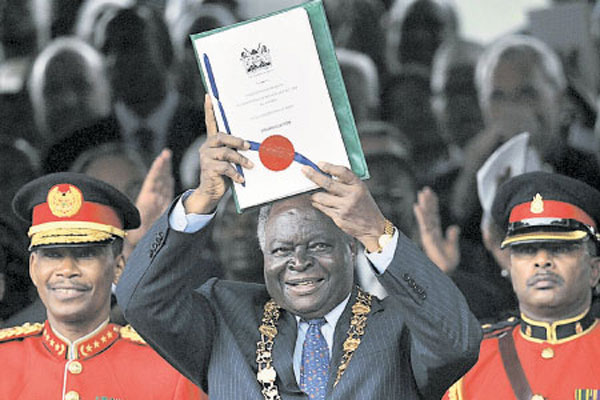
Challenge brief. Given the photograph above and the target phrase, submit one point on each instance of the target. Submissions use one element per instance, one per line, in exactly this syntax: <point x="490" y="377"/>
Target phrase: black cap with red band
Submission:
<point x="73" y="209"/>
<point x="546" y="207"/>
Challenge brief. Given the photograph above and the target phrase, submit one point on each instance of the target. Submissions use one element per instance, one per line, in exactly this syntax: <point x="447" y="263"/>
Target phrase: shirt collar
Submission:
<point x="332" y="316"/>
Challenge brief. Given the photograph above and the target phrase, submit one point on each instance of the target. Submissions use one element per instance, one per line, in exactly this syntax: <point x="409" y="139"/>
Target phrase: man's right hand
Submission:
<point x="217" y="154"/>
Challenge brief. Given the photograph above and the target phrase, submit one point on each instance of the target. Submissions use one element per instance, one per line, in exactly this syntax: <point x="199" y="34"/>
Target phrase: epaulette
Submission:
<point x="127" y="332"/>
<point x="17" y="332"/>
<point x="497" y="328"/>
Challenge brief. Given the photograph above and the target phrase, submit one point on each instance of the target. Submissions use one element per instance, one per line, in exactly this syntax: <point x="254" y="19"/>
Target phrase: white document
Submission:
<point x="515" y="157"/>
<point x="270" y="82"/>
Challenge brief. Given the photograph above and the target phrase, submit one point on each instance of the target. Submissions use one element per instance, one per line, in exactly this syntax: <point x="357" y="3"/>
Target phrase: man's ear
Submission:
<point x="595" y="273"/>
<point x="33" y="258"/>
<point x="119" y="267"/>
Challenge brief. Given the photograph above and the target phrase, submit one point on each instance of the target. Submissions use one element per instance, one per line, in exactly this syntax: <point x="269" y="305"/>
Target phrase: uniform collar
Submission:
<point x="557" y="331"/>
<point x="85" y="347"/>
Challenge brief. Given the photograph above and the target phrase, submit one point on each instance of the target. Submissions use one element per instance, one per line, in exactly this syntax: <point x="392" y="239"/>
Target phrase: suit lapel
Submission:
<point x="341" y="331"/>
<point x="283" y="352"/>
<point x="339" y="336"/>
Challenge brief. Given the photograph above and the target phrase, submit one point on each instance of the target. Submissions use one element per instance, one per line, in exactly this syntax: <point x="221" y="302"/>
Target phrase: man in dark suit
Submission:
<point x="308" y="331"/>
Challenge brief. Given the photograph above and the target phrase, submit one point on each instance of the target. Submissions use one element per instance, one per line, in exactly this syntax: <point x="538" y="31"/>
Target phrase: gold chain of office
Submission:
<point x="267" y="375"/>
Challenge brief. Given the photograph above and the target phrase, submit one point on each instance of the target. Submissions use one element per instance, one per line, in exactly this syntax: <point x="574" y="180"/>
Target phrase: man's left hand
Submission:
<point x="348" y="202"/>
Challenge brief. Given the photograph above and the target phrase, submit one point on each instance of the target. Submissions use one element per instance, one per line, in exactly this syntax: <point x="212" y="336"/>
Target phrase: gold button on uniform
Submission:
<point x="547" y="353"/>
<point x="75" y="367"/>
<point x="72" y="395"/>
<point x="537" y="397"/>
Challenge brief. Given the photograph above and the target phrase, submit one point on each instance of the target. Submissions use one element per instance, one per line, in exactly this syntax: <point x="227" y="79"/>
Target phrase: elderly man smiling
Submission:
<point x="309" y="332"/>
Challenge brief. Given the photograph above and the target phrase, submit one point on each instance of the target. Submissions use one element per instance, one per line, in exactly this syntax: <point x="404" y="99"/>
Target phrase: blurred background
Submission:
<point x="436" y="86"/>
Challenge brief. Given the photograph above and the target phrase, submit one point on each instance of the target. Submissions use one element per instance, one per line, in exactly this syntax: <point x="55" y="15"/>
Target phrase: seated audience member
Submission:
<point x="77" y="230"/>
<point x="63" y="16"/>
<point x="199" y="17"/>
<point x="175" y="9"/>
<point x="69" y="90"/>
<point x="356" y="25"/>
<point x="521" y="84"/>
<point x="454" y="97"/>
<point x="550" y="222"/>
<point x="236" y="245"/>
<point x="415" y="343"/>
<point x="415" y="30"/>
<point x="362" y="84"/>
<point x="93" y="15"/>
<point x="23" y="27"/>
<point x="122" y="167"/>
<point x="457" y="114"/>
<point x="116" y="164"/>
<point x="595" y="35"/>
<point x="23" y="32"/>
<point x="406" y="103"/>
<point x="19" y="163"/>
<point x="3" y="309"/>
<point x="16" y="288"/>
<point x="148" y="110"/>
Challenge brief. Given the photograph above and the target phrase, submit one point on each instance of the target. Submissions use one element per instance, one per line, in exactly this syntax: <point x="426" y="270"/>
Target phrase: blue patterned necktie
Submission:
<point x="315" y="361"/>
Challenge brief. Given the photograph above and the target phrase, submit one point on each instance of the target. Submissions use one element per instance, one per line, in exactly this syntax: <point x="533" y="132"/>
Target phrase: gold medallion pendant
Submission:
<point x="267" y="375"/>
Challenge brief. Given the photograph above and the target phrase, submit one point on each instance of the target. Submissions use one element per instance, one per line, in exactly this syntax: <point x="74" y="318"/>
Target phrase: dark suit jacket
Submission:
<point x="417" y="341"/>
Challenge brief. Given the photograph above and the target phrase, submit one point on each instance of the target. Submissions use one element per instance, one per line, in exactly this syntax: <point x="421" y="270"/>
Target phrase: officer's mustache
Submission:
<point x="545" y="276"/>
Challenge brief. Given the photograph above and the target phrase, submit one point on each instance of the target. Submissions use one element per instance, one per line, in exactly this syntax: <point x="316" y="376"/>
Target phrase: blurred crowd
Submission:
<point x="103" y="86"/>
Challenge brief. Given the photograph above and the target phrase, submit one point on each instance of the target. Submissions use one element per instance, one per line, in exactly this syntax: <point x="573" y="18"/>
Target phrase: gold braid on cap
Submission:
<point x="69" y="232"/>
<point x="267" y="375"/>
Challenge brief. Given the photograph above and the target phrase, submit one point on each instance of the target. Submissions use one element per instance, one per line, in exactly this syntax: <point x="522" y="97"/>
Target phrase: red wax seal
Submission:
<point x="276" y="152"/>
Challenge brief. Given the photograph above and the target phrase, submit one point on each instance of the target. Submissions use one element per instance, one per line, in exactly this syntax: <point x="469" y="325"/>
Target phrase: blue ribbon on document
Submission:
<point x="215" y="92"/>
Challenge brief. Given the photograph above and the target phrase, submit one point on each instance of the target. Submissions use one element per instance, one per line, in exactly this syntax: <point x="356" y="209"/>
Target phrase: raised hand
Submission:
<point x="217" y="154"/>
<point x="443" y="251"/>
<point x="154" y="197"/>
<point x="348" y="202"/>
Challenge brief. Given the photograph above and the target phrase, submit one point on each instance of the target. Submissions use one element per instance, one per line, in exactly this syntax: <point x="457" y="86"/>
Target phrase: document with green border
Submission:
<point x="275" y="81"/>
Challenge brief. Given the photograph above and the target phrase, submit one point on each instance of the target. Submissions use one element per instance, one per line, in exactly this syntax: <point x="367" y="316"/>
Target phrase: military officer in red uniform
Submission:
<point x="551" y="352"/>
<point x="77" y="229"/>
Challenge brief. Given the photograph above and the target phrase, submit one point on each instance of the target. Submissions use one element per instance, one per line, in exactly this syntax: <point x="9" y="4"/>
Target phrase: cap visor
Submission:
<point x="533" y="237"/>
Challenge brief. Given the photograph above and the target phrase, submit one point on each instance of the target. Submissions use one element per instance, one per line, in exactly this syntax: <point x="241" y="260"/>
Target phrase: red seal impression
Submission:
<point x="276" y="153"/>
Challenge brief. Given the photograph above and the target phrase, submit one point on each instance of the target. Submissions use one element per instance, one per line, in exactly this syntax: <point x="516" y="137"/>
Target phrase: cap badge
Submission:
<point x="64" y="200"/>
<point x="537" y="204"/>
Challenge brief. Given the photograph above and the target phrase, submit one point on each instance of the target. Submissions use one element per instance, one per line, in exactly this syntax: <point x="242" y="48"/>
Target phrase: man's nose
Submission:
<point x="301" y="260"/>
<point x="543" y="259"/>
<point x="68" y="268"/>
